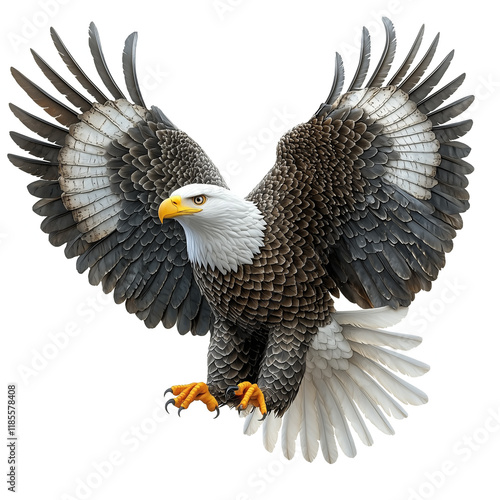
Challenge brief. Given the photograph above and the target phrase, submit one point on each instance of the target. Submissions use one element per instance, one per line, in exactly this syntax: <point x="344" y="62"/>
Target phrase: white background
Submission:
<point x="90" y="411"/>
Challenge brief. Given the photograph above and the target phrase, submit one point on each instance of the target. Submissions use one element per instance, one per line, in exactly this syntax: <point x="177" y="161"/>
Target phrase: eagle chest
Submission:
<point x="265" y="294"/>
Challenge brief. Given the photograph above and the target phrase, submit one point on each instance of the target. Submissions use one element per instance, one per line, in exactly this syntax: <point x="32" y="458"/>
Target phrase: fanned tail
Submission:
<point x="350" y="379"/>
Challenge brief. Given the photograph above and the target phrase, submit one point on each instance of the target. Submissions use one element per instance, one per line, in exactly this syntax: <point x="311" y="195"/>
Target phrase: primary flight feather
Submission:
<point x="364" y="199"/>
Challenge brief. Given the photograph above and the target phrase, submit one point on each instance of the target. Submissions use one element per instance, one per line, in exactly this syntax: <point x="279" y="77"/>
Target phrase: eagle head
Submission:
<point x="223" y="230"/>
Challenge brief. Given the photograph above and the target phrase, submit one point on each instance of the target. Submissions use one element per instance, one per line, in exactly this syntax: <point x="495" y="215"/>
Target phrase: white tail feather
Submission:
<point x="337" y="418"/>
<point x="400" y="341"/>
<point x="252" y="422"/>
<point x="326" y="434"/>
<point x="393" y="360"/>
<point x="349" y="374"/>
<point x="380" y="317"/>
<point x="375" y="393"/>
<point x="351" y="411"/>
<point x="309" y="429"/>
<point x="270" y="430"/>
<point x="291" y="426"/>
<point x="404" y="391"/>
<point x="365" y="402"/>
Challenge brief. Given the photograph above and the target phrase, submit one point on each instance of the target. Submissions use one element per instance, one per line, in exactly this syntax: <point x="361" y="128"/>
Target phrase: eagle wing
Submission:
<point x="378" y="177"/>
<point x="103" y="173"/>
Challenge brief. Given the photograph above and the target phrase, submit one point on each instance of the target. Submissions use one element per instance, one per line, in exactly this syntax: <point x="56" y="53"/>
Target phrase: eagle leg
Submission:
<point x="188" y="393"/>
<point x="250" y="394"/>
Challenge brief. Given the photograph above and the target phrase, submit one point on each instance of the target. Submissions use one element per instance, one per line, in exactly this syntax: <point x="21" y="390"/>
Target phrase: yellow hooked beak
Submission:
<point x="173" y="206"/>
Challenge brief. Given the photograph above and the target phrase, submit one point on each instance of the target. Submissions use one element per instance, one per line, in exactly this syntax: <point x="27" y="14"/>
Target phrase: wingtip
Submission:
<point x="93" y="33"/>
<point x="390" y="30"/>
<point x="53" y="34"/>
<point x="132" y="39"/>
<point x="129" y="69"/>
<point x="15" y="73"/>
<point x="338" y="80"/>
<point x="387" y="22"/>
<point x="36" y="56"/>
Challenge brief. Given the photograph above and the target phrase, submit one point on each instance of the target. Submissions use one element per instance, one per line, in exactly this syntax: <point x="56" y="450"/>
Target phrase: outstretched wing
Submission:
<point x="378" y="177"/>
<point x="103" y="173"/>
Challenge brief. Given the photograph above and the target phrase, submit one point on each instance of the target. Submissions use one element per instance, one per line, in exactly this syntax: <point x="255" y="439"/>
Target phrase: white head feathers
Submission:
<point x="226" y="233"/>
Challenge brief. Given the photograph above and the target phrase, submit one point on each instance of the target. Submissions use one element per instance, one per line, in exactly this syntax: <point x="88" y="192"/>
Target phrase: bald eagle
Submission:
<point x="364" y="200"/>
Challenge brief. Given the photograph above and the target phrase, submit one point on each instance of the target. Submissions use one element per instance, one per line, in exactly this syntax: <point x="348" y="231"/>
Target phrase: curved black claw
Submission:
<point x="167" y="391"/>
<point x="231" y="388"/>
<point x="218" y="412"/>
<point x="180" y="409"/>
<point x="264" y="415"/>
<point x="169" y="402"/>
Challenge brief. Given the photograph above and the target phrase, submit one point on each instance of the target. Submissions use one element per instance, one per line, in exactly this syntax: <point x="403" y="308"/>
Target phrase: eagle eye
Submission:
<point x="200" y="199"/>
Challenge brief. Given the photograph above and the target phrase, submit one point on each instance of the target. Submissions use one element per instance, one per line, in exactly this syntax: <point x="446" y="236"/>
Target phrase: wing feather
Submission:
<point x="413" y="78"/>
<point x="100" y="63"/>
<point x="73" y="66"/>
<point x="96" y="190"/>
<point x="62" y="113"/>
<point x="73" y="96"/>
<point x="129" y="71"/>
<point x="384" y="65"/>
<point x="43" y="128"/>
<point x="364" y="61"/>
<point x="389" y="168"/>
<point x="422" y="90"/>
<point x="338" y="80"/>
<point x="406" y="65"/>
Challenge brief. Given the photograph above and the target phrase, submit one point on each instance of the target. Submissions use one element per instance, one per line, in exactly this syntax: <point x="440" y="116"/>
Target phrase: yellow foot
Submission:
<point x="250" y="395"/>
<point x="188" y="393"/>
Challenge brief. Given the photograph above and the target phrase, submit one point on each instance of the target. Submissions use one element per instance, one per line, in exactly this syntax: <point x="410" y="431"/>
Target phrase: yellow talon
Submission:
<point x="251" y="395"/>
<point x="187" y="393"/>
